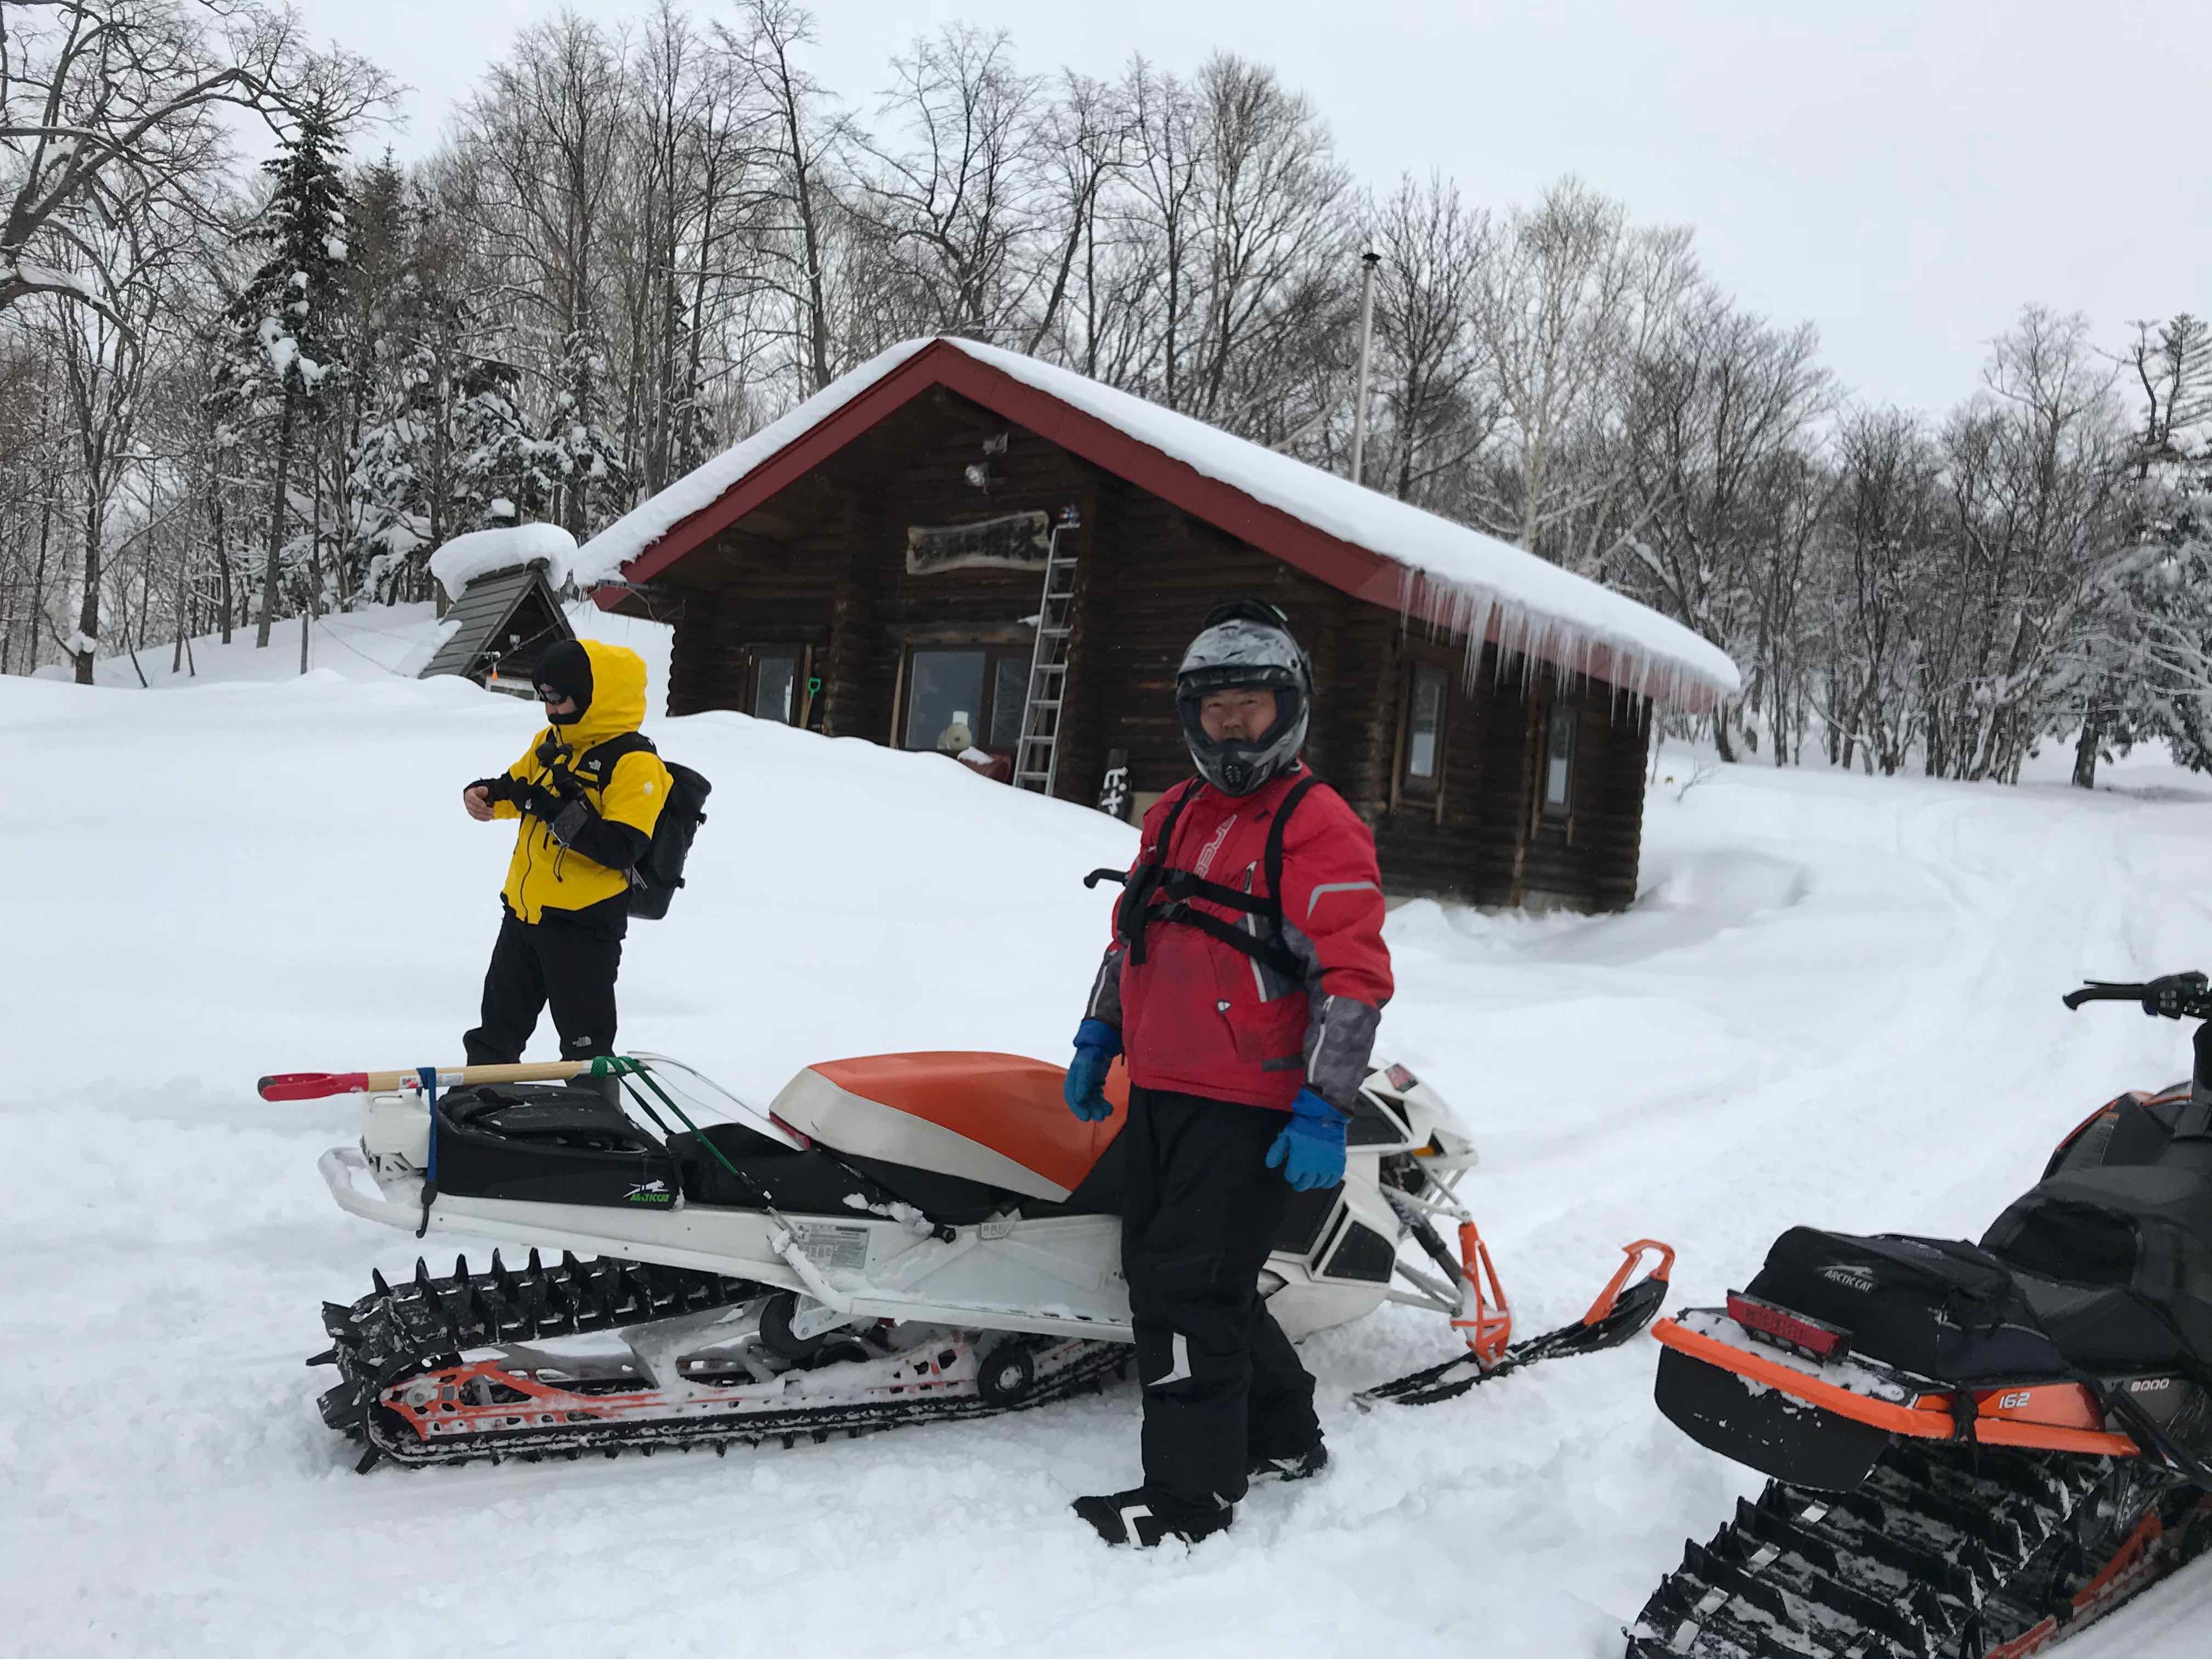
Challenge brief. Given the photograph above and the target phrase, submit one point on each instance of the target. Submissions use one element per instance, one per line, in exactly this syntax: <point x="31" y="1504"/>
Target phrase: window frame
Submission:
<point x="802" y="664"/>
<point x="1407" y="784"/>
<point x="1558" y="710"/>
<point x="993" y="653"/>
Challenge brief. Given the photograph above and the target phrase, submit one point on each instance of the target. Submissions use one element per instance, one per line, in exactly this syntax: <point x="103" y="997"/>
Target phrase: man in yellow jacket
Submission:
<point x="588" y="791"/>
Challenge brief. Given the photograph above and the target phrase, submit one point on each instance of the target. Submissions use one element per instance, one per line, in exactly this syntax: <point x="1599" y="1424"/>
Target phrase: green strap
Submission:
<point x="623" y="1066"/>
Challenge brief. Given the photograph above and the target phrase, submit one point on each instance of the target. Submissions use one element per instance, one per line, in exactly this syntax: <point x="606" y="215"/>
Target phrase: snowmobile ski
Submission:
<point x="1485" y="1316"/>
<point x="1618" y="1315"/>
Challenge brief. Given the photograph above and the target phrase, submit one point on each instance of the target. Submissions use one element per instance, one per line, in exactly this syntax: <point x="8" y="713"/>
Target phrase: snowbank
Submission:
<point x="1824" y="969"/>
<point x="376" y="642"/>
<point x="481" y="552"/>
<point x="1456" y="577"/>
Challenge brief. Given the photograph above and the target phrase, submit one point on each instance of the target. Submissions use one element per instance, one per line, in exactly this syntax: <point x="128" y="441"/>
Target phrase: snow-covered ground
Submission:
<point x="1837" y="1002"/>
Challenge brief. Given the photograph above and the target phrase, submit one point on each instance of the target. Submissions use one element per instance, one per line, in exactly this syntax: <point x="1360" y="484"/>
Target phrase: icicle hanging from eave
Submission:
<point x="1482" y="616"/>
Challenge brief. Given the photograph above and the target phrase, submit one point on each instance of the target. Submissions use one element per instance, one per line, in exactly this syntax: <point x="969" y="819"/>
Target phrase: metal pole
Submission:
<point x="1368" y="259"/>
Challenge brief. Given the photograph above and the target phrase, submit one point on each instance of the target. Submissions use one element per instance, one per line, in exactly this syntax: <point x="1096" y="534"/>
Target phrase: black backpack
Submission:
<point x="653" y="883"/>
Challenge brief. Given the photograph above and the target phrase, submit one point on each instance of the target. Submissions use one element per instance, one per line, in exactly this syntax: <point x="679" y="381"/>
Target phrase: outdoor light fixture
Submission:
<point x="981" y="473"/>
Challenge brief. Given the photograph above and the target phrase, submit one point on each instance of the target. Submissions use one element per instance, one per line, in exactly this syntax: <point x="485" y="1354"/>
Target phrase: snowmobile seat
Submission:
<point x="2125" y="1253"/>
<point x="751" y="1170"/>
<point x="997" y="1121"/>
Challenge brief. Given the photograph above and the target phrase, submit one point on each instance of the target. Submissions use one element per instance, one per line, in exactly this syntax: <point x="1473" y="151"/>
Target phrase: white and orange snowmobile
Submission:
<point x="1975" y="1450"/>
<point x="896" y="1238"/>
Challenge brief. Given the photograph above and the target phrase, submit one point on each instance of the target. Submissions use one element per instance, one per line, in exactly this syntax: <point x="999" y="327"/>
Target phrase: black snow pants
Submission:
<point x="570" y="966"/>
<point x="1199" y="1209"/>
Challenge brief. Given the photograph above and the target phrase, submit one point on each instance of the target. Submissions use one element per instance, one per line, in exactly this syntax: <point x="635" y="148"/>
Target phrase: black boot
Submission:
<point x="1299" y="1466"/>
<point x="1147" y="1519"/>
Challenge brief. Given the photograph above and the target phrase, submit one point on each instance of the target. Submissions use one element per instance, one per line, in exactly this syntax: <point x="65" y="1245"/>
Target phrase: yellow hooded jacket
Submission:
<point x="544" y="875"/>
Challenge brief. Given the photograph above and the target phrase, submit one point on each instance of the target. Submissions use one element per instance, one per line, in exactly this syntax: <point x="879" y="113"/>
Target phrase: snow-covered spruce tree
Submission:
<point x="589" y="457"/>
<point x="505" y="474"/>
<point x="374" y="299"/>
<point x="284" y="323"/>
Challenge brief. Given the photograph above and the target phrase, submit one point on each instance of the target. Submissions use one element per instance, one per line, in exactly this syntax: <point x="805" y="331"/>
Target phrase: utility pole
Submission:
<point x="1369" y="259"/>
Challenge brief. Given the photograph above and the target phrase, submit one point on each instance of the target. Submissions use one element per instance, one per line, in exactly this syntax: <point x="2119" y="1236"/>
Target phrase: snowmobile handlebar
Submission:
<point x="2174" y="996"/>
<point x="1119" y="878"/>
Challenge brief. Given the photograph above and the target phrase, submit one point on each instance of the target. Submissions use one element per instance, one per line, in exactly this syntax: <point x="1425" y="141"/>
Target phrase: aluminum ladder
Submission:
<point x="1036" y="756"/>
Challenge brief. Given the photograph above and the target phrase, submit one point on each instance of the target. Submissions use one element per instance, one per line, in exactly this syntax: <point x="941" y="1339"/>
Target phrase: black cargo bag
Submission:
<point x="545" y="1143"/>
<point x="1941" y="1308"/>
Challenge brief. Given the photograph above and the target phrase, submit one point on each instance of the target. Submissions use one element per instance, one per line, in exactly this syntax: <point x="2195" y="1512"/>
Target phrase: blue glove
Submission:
<point x="1095" y="1044"/>
<point x="1310" y="1152"/>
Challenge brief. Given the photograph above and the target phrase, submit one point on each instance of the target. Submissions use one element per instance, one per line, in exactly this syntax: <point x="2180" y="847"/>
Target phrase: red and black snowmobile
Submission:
<point x="1975" y="1450"/>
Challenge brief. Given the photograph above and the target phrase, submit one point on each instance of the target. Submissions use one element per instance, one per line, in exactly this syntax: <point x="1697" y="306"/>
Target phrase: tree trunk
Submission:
<point x="276" y="525"/>
<point x="37" y="605"/>
<point x="2085" y="756"/>
<point x="88" y="613"/>
<point x="314" y="571"/>
<point x="225" y="594"/>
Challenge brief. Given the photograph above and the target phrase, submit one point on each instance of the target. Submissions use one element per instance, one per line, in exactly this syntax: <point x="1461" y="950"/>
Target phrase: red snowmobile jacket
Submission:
<point x="1248" y="959"/>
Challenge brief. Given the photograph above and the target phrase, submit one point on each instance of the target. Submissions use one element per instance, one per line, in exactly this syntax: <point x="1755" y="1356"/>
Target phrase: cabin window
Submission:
<point x="1559" y="761"/>
<point x="945" y="699"/>
<point x="1009" y="690"/>
<point x="965" y="697"/>
<point x="1426" y="689"/>
<point x="775" y="689"/>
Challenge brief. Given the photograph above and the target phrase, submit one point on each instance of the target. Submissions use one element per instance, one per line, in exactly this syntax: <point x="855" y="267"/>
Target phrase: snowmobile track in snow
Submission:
<point x="1942" y="1554"/>
<point x="426" y="1322"/>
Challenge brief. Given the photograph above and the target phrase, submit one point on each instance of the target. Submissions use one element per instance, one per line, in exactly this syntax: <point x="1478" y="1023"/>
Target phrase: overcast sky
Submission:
<point x="1905" y="174"/>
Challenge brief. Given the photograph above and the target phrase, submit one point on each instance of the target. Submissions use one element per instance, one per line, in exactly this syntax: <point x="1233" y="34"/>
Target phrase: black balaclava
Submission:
<point x="567" y="668"/>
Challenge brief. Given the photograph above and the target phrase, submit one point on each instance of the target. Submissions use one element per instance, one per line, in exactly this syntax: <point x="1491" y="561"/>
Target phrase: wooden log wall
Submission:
<point x="1433" y="844"/>
<point x="824" y="566"/>
<point x="1167" y="571"/>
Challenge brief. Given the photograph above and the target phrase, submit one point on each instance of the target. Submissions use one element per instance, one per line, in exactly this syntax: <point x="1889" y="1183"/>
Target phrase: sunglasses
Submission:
<point x="547" y="694"/>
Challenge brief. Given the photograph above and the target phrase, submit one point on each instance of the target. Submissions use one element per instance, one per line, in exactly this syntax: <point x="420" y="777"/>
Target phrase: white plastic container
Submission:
<point x="395" y="1133"/>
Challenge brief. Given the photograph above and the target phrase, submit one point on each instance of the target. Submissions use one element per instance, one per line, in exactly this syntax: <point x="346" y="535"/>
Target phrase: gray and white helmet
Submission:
<point x="1245" y="644"/>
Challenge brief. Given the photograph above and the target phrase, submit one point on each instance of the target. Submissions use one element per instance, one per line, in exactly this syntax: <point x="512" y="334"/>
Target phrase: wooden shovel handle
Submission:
<point x="314" y="1085"/>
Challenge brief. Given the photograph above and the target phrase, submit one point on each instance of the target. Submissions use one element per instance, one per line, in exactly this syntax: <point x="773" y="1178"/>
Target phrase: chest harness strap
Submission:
<point x="1157" y="893"/>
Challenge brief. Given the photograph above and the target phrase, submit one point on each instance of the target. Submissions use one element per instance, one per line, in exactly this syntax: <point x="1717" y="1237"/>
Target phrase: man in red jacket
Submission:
<point x="1243" y="988"/>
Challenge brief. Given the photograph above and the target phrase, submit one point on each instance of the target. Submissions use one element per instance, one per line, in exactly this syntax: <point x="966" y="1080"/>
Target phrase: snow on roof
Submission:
<point x="464" y="559"/>
<point x="601" y="558"/>
<point x="1454" y="577"/>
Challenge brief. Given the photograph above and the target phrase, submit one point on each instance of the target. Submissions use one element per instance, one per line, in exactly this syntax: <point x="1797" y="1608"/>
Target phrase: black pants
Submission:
<point x="1200" y="1208"/>
<point x="572" y="968"/>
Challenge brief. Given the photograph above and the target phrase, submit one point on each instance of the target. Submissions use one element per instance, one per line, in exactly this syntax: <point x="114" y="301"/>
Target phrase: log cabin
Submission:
<point x="957" y="548"/>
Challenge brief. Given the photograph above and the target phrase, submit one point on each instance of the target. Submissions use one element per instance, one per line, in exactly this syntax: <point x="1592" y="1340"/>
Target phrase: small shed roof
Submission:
<point x="482" y="614"/>
<point x="1365" y="543"/>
